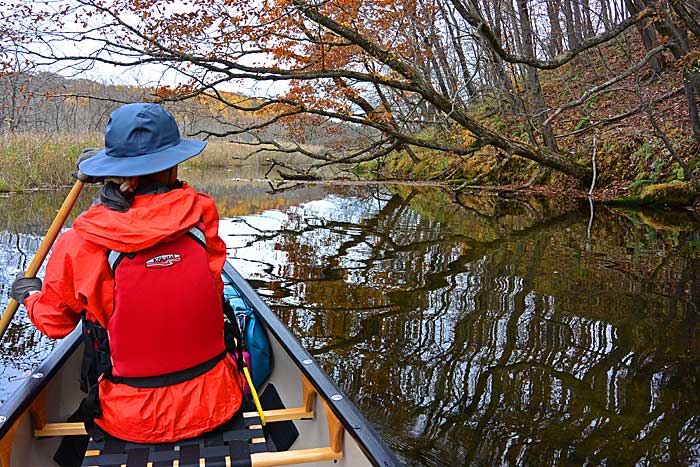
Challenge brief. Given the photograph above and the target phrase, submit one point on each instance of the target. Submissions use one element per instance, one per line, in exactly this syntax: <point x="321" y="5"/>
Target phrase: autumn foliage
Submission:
<point x="406" y="74"/>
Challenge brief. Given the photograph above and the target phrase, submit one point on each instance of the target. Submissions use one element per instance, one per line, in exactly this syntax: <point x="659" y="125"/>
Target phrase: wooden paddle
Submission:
<point x="43" y="250"/>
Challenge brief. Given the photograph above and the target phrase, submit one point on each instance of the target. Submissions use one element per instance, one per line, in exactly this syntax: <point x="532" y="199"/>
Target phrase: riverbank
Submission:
<point x="40" y="160"/>
<point x="636" y="136"/>
<point x="31" y="160"/>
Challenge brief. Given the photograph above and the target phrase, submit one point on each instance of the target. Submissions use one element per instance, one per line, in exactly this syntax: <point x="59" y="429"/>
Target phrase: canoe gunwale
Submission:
<point x="29" y="390"/>
<point x="353" y="421"/>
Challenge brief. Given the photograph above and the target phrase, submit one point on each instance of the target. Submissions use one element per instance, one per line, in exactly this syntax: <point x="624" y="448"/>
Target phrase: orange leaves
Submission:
<point x="165" y="93"/>
<point x="213" y="41"/>
<point x="690" y="61"/>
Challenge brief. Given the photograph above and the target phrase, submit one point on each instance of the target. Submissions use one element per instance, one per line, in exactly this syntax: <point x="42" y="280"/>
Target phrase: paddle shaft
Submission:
<point x="43" y="250"/>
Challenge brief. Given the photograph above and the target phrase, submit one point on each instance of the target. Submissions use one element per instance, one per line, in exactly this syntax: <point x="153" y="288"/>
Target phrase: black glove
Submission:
<point x="22" y="286"/>
<point x="85" y="154"/>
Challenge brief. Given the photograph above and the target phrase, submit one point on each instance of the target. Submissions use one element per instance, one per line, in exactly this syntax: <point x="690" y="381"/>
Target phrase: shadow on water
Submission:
<point x="475" y="330"/>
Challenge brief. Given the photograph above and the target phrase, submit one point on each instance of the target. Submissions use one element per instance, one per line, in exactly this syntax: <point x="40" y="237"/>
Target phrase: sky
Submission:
<point x="147" y="75"/>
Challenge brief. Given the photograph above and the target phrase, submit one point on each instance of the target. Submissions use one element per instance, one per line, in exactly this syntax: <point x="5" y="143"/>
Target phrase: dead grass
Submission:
<point x="43" y="160"/>
<point x="39" y="160"/>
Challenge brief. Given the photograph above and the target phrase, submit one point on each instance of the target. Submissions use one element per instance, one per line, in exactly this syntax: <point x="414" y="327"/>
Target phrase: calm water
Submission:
<point x="470" y="330"/>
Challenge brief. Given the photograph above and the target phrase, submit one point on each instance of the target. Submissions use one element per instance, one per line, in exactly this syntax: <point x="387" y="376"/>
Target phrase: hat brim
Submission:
<point x="102" y="165"/>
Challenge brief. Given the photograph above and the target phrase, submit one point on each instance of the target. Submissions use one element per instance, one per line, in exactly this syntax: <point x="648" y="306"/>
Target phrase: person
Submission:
<point x="142" y="269"/>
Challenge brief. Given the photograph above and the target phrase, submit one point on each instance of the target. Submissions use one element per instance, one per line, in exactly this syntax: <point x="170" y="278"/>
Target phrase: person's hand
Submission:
<point x="85" y="154"/>
<point x="23" y="286"/>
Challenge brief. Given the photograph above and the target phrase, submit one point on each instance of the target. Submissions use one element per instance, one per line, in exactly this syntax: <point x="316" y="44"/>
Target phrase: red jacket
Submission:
<point x="79" y="278"/>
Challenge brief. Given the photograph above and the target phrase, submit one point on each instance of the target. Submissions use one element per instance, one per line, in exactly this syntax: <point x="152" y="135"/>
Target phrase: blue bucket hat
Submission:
<point x="140" y="139"/>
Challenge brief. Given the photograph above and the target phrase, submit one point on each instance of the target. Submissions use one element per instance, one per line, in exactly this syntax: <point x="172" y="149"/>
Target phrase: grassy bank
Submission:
<point x="36" y="160"/>
<point x="46" y="160"/>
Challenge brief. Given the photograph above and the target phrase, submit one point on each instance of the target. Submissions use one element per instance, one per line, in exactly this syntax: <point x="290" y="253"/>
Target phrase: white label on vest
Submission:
<point x="163" y="261"/>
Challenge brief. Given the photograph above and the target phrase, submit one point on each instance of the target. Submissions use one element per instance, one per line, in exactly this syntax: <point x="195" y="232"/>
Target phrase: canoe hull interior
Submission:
<point x="57" y="379"/>
<point x="62" y="395"/>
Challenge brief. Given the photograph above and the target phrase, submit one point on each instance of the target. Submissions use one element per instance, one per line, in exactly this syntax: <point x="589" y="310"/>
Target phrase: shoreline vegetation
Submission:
<point x="39" y="160"/>
<point x="44" y="161"/>
<point x="647" y="158"/>
<point x="31" y="161"/>
<point x="641" y="150"/>
<point x="583" y="100"/>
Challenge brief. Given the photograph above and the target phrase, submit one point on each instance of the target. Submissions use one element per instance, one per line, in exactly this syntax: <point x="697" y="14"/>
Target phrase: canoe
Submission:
<point x="332" y="432"/>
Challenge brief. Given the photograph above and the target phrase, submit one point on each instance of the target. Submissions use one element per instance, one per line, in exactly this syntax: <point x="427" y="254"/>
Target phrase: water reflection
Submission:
<point x="481" y="330"/>
<point x="491" y="331"/>
<point x="23" y="346"/>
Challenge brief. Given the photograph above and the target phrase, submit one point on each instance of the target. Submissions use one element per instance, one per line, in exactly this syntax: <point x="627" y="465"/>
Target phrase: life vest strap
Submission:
<point x="170" y="378"/>
<point x="198" y="234"/>
<point x="115" y="257"/>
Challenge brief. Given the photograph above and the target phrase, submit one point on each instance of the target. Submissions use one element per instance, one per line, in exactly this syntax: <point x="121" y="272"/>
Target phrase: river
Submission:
<point x="469" y="329"/>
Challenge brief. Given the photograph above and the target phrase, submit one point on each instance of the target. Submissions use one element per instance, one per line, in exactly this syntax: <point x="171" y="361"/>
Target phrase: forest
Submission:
<point x="595" y="97"/>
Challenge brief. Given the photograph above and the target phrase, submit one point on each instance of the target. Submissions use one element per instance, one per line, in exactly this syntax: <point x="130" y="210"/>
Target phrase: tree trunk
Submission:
<point x="555" y="40"/>
<point x="586" y="13"/>
<point x="517" y="38"/>
<point x="648" y="35"/>
<point x="459" y="50"/>
<point x="605" y="14"/>
<point x="533" y="78"/>
<point x="443" y="63"/>
<point x="691" y="79"/>
<point x="569" y="22"/>
<point x="501" y="81"/>
<point x="578" y="21"/>
<point x="691" y="97"/>
<point x="692" y="22"/>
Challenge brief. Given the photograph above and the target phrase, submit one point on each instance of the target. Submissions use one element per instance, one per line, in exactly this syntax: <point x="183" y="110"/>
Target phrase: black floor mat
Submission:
<point x="282" y="434"/>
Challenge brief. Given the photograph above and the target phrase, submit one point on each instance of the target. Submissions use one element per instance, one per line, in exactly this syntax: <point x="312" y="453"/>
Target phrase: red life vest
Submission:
<point x="167" y="315"/>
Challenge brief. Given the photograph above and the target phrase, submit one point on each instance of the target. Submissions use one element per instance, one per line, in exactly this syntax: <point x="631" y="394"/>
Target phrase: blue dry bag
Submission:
<point x="255" y="340"/>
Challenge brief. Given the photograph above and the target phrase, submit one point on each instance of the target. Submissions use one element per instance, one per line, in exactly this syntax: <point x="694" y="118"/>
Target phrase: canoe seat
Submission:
<point x="230" y="445"/>
<point x="240" y="442"/>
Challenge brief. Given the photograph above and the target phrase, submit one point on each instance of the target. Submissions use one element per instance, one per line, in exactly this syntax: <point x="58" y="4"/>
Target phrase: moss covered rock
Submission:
<point x="672" y="193"/>
<point x="669" y="220"/>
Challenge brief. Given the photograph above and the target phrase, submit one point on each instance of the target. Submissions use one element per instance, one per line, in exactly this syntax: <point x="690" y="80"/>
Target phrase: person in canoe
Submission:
<point x="142" y="270"/>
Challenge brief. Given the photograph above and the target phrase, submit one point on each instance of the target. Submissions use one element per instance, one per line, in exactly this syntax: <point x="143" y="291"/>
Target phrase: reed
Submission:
<point x="41" y="160"/>
<point x="46" y="160"/>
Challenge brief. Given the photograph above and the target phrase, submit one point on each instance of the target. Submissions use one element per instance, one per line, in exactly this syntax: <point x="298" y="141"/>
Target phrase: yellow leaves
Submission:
<point x="465" y="136"/>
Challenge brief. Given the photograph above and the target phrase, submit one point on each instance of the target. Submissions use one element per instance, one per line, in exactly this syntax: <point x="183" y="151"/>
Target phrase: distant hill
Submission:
<point x="48" y="102"/>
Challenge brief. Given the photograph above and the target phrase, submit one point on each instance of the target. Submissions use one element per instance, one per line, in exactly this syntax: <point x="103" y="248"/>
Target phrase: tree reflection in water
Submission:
<point x="23" y="346"/>
<point x="487" y="331"/>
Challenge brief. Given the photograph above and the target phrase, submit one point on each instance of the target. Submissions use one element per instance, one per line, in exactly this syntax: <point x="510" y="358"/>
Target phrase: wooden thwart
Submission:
<point x="61" y="429"/>
<point x="298" y="456"/>
<point x="283" y="415"/>
<point x="78" y="428"/>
